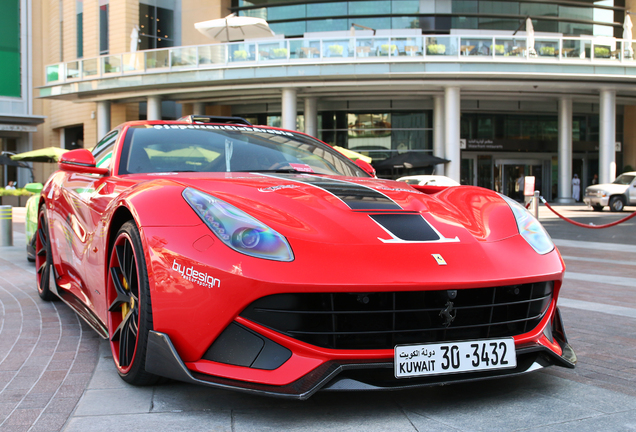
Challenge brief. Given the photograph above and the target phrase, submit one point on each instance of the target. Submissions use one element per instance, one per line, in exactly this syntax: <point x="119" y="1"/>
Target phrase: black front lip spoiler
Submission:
<point x="162" y="359"/>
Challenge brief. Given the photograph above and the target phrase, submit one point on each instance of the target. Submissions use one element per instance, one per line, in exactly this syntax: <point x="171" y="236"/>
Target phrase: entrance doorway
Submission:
<point x="510" y="176"/>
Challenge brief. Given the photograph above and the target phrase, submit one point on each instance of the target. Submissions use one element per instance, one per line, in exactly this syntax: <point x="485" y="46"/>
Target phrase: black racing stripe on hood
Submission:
<point x="356" y="196"/>
<point x="407" y="227"/>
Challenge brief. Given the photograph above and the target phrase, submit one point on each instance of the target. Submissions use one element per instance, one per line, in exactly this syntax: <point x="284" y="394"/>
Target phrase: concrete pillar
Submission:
<point x="288" y="114"/>
<point x="103" y="119"/>
<point x="311" y="116"/>
<point x="607" y="137"/>
<point x="438" y="131"/>
<point x="452" y="111"/>
<point x="565" y="151"/>
<point x="153" y="111"/>
<point x="198" y="108"/>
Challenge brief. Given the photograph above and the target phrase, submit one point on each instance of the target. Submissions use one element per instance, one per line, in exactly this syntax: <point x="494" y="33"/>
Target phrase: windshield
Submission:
<point x="624" y="179"/>
<point x="206" y="148"/>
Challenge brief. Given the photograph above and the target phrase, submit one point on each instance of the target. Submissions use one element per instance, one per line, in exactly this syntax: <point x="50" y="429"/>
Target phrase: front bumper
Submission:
<point x="596" y="201"/>
<point x="346" y="375"/>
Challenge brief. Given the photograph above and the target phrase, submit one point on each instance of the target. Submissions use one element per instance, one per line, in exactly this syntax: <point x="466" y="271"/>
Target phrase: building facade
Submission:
<point x="17" y="121"/>
<point x="460" y="79"/>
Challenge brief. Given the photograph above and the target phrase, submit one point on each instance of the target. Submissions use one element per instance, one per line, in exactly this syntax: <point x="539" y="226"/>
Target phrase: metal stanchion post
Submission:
<point x="535" y="204"/>
<point x="6" y="225"/>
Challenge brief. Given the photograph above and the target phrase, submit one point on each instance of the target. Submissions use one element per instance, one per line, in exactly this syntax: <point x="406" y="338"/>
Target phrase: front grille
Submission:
<point x="381" y="320"/>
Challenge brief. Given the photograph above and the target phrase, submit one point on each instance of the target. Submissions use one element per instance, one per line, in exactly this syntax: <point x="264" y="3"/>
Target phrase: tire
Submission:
<point x="43" y="258"/>
<point x="597" y="207"/>
<point x="616" y="204"/>
<point x="130" y="309"/>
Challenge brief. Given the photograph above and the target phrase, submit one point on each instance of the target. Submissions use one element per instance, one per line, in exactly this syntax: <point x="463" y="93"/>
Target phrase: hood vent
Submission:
<point x="407" y="227"/>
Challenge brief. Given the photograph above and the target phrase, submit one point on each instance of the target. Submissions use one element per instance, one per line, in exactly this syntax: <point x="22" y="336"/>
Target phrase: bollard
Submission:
<point x="535" y="204"/>
<point x="6" y="225"/>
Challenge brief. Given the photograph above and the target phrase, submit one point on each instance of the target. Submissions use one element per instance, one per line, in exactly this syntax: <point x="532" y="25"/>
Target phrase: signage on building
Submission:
<point x="17" y="128"/>
<point x="618" y="145"/>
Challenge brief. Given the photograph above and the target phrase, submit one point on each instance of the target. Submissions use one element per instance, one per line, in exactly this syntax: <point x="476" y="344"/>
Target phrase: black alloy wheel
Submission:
<point x="129" y="311"/>
<point x="43" y="258"/>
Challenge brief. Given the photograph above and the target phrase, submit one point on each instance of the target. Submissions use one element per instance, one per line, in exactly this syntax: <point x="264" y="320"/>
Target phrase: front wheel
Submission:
<point x="129" y="311"/>
<point x="43" y="258"/>
<point x="616" y="204"/>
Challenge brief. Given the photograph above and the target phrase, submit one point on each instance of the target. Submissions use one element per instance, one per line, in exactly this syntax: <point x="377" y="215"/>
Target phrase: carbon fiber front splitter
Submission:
<point x="162" y="359"/>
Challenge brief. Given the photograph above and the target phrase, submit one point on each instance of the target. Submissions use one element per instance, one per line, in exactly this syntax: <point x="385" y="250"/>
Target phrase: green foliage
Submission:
<point x="14" y="192"/>
<point x="436" y="49"/>
<point x="601" y="52"/>
<point x="240" y="55"/>
<point x="547" y="51"/>
<point x="499" y="49"/>
<point x="279" y="53"/>
<point x="336" y="49"/>
<point x="384" y="49"/>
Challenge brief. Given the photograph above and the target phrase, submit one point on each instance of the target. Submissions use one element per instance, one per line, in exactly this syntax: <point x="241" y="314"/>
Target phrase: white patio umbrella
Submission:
<point x="235" y="28"/>
<point x="627" y="36"/>
<point x="530" y="37"/>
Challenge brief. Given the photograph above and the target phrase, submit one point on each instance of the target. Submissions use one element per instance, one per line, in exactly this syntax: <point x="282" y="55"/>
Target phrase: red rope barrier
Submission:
<point x="584" y="225"/>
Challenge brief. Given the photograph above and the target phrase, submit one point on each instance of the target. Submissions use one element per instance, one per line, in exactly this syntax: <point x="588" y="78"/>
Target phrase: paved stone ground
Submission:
<point x="48" y="359"/>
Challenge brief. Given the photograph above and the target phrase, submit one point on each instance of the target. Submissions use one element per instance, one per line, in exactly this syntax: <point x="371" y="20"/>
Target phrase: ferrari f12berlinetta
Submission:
<point x="212" y="251"/>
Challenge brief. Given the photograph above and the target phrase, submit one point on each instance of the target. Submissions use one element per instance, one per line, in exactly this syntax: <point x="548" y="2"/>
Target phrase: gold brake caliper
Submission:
<point x="125" y="308"/>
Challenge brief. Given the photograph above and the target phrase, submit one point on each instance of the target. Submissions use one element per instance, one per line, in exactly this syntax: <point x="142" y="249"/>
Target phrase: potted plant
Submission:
<point x="239" y="55"/>
<point x="14" y="197"/>
<point x="384" y="49"/>
<point x="279" y="53"/>
<point x="547" y="51"/>
<point x="436" y="49"/>
<point x="601" y="52"/>
<point x="336" y="50"/>
<point x="499" y="49"/>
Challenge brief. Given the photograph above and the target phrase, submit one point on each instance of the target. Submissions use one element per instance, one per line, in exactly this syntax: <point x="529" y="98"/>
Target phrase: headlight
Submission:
<point x="530" y="228"/>
<point x="237" y="229"/>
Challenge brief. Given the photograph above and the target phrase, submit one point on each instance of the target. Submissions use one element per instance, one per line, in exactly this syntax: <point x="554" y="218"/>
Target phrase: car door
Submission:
<point x="632" y="192"/>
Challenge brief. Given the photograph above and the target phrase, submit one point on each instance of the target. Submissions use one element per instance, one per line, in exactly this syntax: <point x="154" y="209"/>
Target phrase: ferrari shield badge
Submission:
<point x="439" y="259"/>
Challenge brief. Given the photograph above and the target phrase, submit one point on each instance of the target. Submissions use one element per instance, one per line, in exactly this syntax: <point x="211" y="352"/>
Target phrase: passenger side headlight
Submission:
<point x="530" y="228"/>
<point x="237" y="229"/>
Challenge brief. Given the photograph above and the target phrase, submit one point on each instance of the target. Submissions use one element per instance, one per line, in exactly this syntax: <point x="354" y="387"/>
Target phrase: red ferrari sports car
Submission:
<point x="212" y="251"/>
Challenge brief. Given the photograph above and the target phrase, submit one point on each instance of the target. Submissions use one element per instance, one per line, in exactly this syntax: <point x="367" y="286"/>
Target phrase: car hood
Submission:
<point x="610" y="188"/>
<point x="353" y="210"/>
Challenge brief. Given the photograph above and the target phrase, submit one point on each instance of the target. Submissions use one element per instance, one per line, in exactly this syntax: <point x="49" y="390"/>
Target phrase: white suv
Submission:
<point x="617" y="195"/>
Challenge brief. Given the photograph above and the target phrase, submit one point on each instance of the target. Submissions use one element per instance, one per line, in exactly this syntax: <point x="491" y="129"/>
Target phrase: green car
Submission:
<point x="31" y="218"/>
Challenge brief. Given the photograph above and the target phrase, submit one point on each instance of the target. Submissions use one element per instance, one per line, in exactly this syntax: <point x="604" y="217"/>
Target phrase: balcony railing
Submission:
<point x="376" y="48"/>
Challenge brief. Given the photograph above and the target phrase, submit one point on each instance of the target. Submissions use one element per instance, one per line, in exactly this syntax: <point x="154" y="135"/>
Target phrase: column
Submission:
<point x="288" y="111"/>
<point x="565" y="151"/>
<point x="438" y="131"/>
<point x="103" y="119"/>
<point x="153" y="111"/>
<point x="451" y="132"/>
<point x="607" y="137"/>
<point x="311" y="116"/>
<point x="198" y="108"/>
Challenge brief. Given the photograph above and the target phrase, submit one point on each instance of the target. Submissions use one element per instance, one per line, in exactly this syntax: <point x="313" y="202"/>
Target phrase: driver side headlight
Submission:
<point x="237" y="229"/>
<point x="530" y="228"/>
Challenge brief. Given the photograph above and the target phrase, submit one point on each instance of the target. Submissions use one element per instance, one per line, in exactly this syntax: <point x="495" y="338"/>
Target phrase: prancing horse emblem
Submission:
<point x="448" y="314"/>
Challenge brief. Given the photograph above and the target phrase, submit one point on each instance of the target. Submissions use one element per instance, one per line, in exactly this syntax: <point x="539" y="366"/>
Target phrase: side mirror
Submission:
<point x="34" y="188"/>
<point x="80" y="161"/>
<point x="366" y="167"/>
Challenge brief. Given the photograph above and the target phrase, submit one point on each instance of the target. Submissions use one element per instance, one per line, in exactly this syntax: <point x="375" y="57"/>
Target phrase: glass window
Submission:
<point x="464" y="22"/>
<point x="499" y="7"/>
<point x="327" y="25"/>
<point x="294" y="28"/>
<point x="374" y="23"/>
<point x="156" y="26"/>
<point x="103" y="27"/>
<point x="103" y="151"/>
<point x="326" y="9"/>
<point x="406" y="22"/>
<point x="498" y="24"/>
<point x="465" y="6"/>
<point x="538" y="9"/>
<point x="577" y="13"/>
<point x="405" y="6"/>
<point x="79" y="26"/>
<point x="286" y="12"/>
<point x="369" y="8"/>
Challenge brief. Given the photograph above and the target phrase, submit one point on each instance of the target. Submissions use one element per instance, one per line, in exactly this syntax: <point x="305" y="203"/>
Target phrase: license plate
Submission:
<point x="454" y="357"/>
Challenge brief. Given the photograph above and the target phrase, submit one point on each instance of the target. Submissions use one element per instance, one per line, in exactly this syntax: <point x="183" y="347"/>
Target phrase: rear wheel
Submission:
<point x="597" y="207"/>
<point x="43" y="259"/>
<point x="616" y="204"/>
<point x="129" y="312"/>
